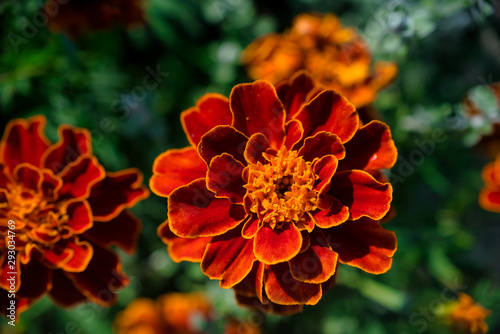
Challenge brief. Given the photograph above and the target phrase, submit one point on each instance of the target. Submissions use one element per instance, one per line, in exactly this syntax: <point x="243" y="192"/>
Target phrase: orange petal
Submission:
<point x="282" y="288"/>
<point x="24" y="141"/>
<point x="294" y="93"/>
<point x="321" y="144"/>
<point x="336" y="214"/>
<point x="194" y="211"/>
<point x="73" y="142"/>
<point x="222" y="139"/>
<point x="257" y="109"/>
<point x="7" y="272"/>
<point x="371" y="147"/>
<point x="253" y="284"/>
<point x="82" y="254"/>
<point x="363" y="244"/>
<point x="330" y="112"/>
<point x="79" y="216"/>
<point x="224" y="178"/>
<point x="228" y="258"/>
<point x="122" y="231"/>
<point x="317" y="264"/>
<point x="294" y="132"/>
<point x="325" y="168"/>
<point x="116" y="192"/>
<point x="251" y="227"/>
<point x="175" y="168"/>
<point x="57" y="257"/>
<point x="79" y="176"/>
<point x="489" y="200"/>
<point x="182" y="249"/>
<point x="364" y="195"/>
<point x="28" y="176"/>
<point x="277" y="245"/>
<point x="210" y="110"/>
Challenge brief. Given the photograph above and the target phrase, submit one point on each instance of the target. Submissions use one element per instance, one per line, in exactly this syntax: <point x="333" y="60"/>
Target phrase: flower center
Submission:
<point x="282" y="188"/>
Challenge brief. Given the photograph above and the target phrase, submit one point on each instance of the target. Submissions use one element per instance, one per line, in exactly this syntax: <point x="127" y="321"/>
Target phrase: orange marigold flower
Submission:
<point x="67" y="212"/>
<point x="466" y="316"/>
<point x="173" y="313"/>
<point x="335" y="56"/>
<point x="77" y="16"/>
<point x="273" y="192"/>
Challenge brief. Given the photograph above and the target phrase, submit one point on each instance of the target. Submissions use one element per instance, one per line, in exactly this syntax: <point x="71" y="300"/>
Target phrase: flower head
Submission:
<point x="60" y="212"/>
<point x="335" y="56"/>
<point x="277" y="187"/>
<point x="77" y="16"/>
<point x="466" y="316"/>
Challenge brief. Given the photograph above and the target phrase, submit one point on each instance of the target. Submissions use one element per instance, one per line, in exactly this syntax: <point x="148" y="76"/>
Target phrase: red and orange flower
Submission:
<point x="466" y="316"/>
<point x="172" y="313"/>
<point x="274" y="191"/>
<point x="67" y="212"/>
<point x="335" y="56"/>
<point x="76" y="16"/>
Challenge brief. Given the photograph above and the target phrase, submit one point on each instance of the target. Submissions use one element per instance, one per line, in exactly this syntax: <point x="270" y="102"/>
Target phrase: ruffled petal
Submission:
<point x="222" y="139"/>
<point x="79" y="176"/>
<point x="324" y="168"/>
<point x="210" y="110"/>
<point x="183" y="249"/>
<point x="330" y="112"/>
<point x="294" y="92"/>
<point x="10" y="268"/>
<point x="321" y="144"/>
<point x="364" y="195"/>
<point x="363" y="244"/>
<point x="122" y="231"/>
<point x="194" y="211"/>
<point x="116" y="192"/>
<point x="251" y="227"/>
<point x="281" y="288"/>
<point x="273" y="246"/>
<point x="371" y="147"/>
<point x="29" y="177"/>
<point x="294" y="132"/>
<point x="82" y="254"/>
<point x="256" y="108"/>
<point x="335" y="215"/>
<point x="175" y="168"/>
<point x="73" y="142"/>
<point x="224" y="178"/>
<point x="228" y="258"/>
<point x="24" y="141"/>
<point x="257" y="144"/>
<point x="79" y="216"/>
<point x="253" y="284"/>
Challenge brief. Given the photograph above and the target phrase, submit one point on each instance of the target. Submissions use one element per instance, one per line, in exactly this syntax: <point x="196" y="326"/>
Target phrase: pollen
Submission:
<point x="282" y="188"/>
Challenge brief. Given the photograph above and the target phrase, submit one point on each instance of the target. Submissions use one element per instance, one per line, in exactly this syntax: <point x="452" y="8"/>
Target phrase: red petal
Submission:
<point x="36" y="279"/>
<point x="294" y="132"/>
<point x="489" y="200"/>
<point x="325" y="168"/>
<point x="79" y="216"/>
<point x="222" y="139"/>
<point x="277" y="245"/>
<point x="51" y="184"/>
<point x="24" y="141"/>
<point x="102" y="277"/>
<point x="251" y="227"/>
<point x="28" y="176"/>
<point x="257" y="144"/>
<point x="116" y="192"/>
<point x="210" y="110"/>
<point x="330" y="112"/>
<point x="79" y="176"/>
<point x="194" y="211"/>
<point x="371" y="147"/>
<point x="122" y="231"/>
<point x="317" y="264"/>
<point x="9" y="270"/>
<point x="282" y="288"/>
<point x="63" y="292"/>
<point x="228" y="258"/>
<point x="175" y="168"/>
<point x="294" y="93"/>
<point x="335" y="215"/>
<point x="82" y="254"/>
<point x="364" y="195"/>
<point x="224" y="178"/>
<point x="257" y="109"/>
<point x="321" y="144"/>
<point x="73" y="142"/>
<point x="183" y="249"/>
<point x="363" y="244"/>
<point x="57" y="257"/>
<point x="253" y="284"/>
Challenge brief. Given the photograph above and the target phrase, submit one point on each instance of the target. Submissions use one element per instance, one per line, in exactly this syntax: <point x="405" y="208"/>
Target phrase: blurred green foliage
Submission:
<point x="444" y="48"/>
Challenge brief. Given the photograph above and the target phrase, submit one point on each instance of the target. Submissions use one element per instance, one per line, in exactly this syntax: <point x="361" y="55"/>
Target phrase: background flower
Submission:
<point x="68" y="212"/>
<point x="290" y="189"/>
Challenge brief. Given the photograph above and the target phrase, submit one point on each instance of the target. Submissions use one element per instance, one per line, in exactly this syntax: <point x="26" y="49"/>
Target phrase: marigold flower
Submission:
<point x="67" y="213"/>
<point x="466" y="316"/>
<point x="335" y="56"/>
<point x="77" y="16"/>
<point x="173" y="313"/>
<point x="273" y="192"/>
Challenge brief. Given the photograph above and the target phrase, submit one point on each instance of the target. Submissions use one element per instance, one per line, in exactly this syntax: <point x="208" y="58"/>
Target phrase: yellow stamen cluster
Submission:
<point x="282" y="188"/>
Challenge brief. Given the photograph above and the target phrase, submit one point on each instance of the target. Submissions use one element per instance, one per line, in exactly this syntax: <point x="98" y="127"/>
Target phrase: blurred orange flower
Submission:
<point x="67" y="212"/>
<point x="468" y="317"/>
<point x="273" y="192"/>
<point x="76" y="16"/>
<point x="336" y="57"/>
<point x="489" y="197"/>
